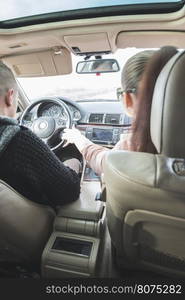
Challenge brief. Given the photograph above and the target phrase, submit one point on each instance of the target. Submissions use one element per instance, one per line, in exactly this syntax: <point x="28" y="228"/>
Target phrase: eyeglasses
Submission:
<point x="120" y="92"/>
<point x="130" y="91"/>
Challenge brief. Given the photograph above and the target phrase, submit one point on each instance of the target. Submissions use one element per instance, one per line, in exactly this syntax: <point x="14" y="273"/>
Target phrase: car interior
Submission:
<point x="130" y="221"/>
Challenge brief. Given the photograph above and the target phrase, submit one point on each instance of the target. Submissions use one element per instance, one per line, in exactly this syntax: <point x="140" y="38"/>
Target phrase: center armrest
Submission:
<point x="75" y="246"/>
<point x="85" y="208"/>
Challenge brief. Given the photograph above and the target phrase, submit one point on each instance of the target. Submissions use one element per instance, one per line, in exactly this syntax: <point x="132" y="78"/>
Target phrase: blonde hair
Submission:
<point x="133" y="70"/>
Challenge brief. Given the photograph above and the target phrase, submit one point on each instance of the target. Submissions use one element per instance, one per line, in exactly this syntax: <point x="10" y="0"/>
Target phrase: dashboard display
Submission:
<point x="76" y="116"/>
<point x="103" y="135"/>
<point x="55" y="111"/>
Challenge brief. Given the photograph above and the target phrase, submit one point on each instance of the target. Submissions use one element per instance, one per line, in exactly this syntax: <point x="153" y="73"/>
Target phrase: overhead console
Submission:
<point x="88" y="43"/>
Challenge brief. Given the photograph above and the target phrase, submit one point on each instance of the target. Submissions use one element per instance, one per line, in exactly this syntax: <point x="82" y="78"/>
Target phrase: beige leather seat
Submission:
<point x="146" y="192"/>
<point x="25" y="227"/>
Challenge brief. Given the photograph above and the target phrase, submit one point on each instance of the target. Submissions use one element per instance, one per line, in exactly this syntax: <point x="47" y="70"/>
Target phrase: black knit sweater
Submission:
<point x="32" y="169"/>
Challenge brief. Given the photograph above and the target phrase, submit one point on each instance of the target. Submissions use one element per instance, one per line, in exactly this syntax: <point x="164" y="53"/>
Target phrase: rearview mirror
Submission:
<point x="97" y="66"/>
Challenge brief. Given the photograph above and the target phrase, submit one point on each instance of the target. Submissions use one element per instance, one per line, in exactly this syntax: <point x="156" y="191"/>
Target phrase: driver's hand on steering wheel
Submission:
<point x="74" y="136"/>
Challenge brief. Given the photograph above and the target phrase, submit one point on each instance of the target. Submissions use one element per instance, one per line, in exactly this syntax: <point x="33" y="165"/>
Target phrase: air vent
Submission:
<point x="112" y="119"/>
<point x="96" y="118"/>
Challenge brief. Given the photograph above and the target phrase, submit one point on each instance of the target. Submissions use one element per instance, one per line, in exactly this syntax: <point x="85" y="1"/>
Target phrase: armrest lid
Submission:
<point x="85" y="208"/>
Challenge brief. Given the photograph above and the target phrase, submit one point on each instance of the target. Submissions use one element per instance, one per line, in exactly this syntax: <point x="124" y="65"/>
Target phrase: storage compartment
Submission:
<point x="88" y="43"/>
<point x="70" y="255"/>
<point x="74" y="246"/>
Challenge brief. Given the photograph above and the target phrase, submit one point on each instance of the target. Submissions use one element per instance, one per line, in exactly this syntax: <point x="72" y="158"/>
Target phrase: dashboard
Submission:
<point x="56" y="111"/>
<point x="101" y="121"/>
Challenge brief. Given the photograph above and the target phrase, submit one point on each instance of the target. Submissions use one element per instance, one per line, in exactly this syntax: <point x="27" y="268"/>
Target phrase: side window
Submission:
<point x="18" y="109"/>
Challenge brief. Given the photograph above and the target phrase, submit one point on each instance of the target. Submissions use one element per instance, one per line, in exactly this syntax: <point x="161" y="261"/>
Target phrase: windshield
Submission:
<point x="79" y="86"/>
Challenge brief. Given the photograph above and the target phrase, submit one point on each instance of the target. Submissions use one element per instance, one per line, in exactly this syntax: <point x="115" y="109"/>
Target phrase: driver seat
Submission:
<point x="146" y="192"/>
<point x="25" y="227"/>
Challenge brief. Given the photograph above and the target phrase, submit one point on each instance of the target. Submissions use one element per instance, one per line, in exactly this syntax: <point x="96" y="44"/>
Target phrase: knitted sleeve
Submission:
<point x="36" y="170"/>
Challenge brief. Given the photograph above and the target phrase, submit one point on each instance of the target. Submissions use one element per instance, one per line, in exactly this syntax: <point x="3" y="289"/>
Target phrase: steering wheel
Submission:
<point x="48" y="127"/>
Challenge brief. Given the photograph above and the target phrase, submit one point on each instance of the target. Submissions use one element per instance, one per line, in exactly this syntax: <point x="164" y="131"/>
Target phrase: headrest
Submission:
<point x="168" y="109"/>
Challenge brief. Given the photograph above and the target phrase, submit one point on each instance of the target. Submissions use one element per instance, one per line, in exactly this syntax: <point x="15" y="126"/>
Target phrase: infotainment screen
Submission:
<point x="104" y="135"/>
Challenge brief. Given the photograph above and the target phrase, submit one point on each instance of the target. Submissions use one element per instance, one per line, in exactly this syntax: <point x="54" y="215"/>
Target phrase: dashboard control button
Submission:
<point x="60" y="122"/>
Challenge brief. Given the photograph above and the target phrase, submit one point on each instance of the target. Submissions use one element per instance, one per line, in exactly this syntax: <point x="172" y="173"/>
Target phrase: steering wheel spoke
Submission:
<point x="46" y="141"/>
<point x="60" y="123"/>
<point x="28" y="124"/>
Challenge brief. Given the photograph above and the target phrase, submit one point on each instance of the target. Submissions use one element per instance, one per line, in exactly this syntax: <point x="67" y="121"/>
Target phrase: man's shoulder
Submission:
<point x="26" y="134"/>
<point x="6" y="121"/>
<point x="12" y="128"/>
<point x="27" y="143"/>
<point x="8" y="130"/>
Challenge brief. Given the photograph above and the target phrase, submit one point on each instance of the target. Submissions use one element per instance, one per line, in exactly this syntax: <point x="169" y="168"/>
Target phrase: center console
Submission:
<point x="103" y="135"/>
<point x="75" y="246"/>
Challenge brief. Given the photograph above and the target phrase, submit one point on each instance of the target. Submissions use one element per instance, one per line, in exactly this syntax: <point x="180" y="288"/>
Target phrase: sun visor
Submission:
<point x="38" y="64"/>
<point x="150" y="39"/>
<point x="88" y="43"/>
